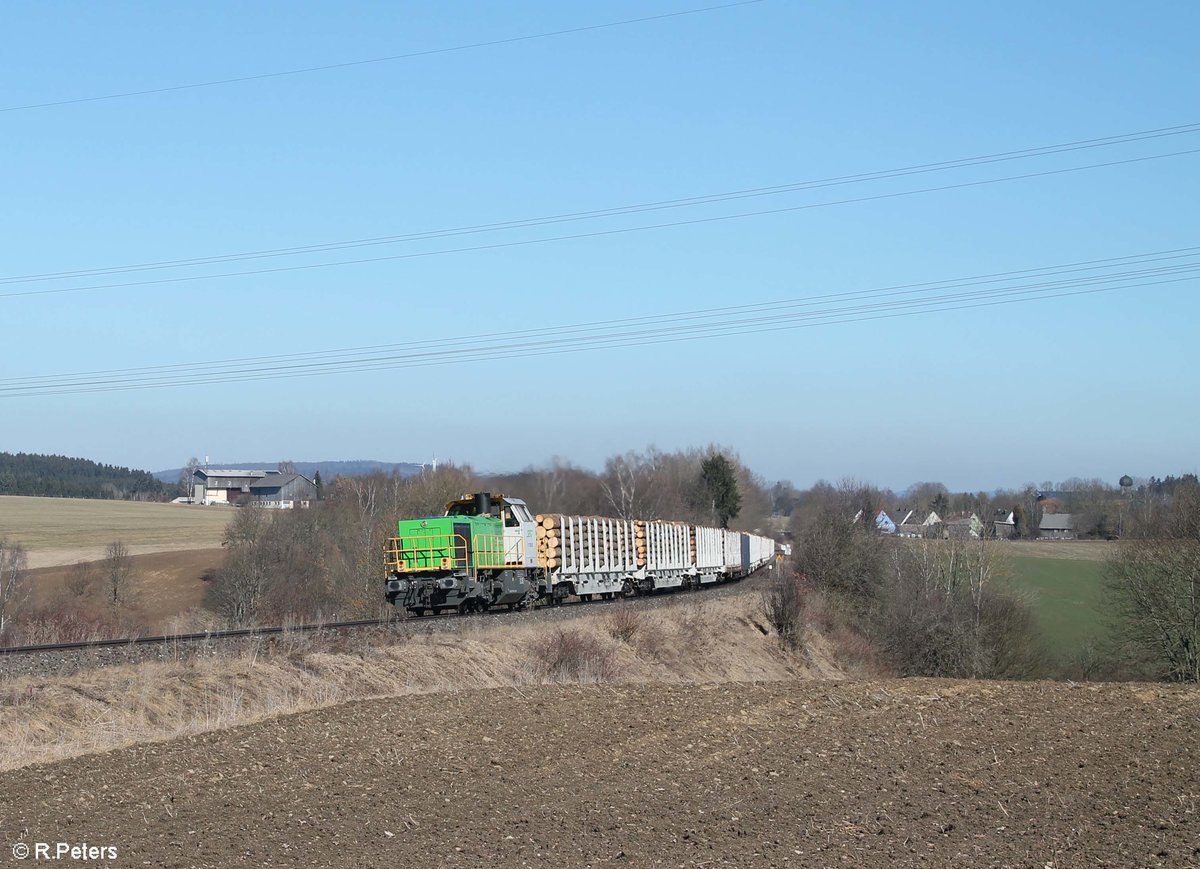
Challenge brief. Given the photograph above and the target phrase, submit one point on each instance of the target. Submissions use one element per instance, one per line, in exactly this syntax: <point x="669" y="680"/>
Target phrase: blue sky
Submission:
<point x="758" y="95"/>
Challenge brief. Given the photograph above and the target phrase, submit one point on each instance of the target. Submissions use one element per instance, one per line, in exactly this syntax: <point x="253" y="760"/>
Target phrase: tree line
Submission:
<point x="327" y="562"/>
<point x="64" y="477"/>
<point x="901" y="607"/>
<point x="1100" y="509"/>
<point x="950" y="608"/>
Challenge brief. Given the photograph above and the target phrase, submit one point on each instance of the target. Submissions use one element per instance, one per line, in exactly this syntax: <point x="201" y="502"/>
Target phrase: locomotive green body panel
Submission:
<point x="445" y="543"/>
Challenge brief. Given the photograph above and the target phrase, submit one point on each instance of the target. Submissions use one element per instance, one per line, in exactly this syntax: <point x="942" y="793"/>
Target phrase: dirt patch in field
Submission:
<point x="786" y="774"/>
<point x="165" y="586"/>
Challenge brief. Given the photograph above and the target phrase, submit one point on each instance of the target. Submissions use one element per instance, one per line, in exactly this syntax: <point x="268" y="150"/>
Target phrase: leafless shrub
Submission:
<point x="624" y="623"/>
<point x="70" y="622"/>
<point x="820" y="613"/>
<point x="1153" y="589"/>
<point x="783" y="603"/>
<point x="572" y="655"/>
<point x="82" y="579"/>
<point x="650" y="641"/>
<point x="695" y="634"/>
<point x="857" y="652"/>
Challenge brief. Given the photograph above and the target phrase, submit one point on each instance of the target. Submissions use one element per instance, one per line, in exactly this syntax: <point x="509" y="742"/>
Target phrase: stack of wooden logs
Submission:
<point x="549" y="541"/>
<point x="611" y="541"/>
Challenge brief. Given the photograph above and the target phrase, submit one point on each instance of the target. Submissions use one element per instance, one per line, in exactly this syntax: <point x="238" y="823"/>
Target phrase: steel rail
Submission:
<point x="236" y="633"/>
<point x="232" y="633"/>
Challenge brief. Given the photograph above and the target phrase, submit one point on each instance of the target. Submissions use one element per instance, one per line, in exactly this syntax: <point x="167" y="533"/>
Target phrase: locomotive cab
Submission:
<point x="520" y="531"/>
<point x="481" y="552"/>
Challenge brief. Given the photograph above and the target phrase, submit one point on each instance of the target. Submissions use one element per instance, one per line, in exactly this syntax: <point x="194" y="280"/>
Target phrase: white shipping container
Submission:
<point x="762" y="550"/>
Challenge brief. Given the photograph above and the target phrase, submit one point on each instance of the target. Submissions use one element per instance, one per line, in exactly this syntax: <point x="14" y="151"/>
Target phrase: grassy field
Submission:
<point x="1067" y="595"/>
<point x="59" y="531"/>
<point x="1064" y="583"/>
<point x="1082" y="550"/>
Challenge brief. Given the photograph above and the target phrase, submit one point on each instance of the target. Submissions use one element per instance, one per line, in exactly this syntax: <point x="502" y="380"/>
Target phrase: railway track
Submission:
<point x="235" y="633"/>
<point x="61" y="658"/>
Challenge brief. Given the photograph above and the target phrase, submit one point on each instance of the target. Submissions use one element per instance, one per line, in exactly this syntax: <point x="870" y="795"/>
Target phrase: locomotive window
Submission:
<point x="510" y="520"/>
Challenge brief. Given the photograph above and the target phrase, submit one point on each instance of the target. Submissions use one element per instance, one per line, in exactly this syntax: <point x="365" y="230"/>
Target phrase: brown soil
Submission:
<point x="165" y="585"/>
<point x="796" y="773"/>
<point x="47" y="716"/>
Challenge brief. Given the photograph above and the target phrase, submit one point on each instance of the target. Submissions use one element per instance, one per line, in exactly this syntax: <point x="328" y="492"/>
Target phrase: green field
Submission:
<point x="1067" y="595"/>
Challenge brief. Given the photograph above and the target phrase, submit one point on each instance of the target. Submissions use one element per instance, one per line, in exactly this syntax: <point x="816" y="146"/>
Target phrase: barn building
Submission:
<point x="259" y="488"/>
<point x="283" y="491"/>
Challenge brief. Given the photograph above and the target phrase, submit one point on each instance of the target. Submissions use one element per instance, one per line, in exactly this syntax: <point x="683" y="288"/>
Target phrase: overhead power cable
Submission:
<point x="602" y="233"/>
<point x="617" y="211"/>
<point x="1106" y="263"/>
<point x="375" y="60"/>
<point x="1112" y="274"/>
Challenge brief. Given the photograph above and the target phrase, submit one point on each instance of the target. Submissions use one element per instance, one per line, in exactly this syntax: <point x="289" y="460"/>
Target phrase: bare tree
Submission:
<point x="783" y="603"/>
<point x="187" y="476"/>
<point x="286" y="466"/>
<point x="1154" y="585"/>
<point x="623" y="483"/>
<point x="13" y="589"/>
<point x="944" y="611"/>
<point x="240" y="586"/>
<point x="118" y="570"/>
<point x="1028" y="510"/>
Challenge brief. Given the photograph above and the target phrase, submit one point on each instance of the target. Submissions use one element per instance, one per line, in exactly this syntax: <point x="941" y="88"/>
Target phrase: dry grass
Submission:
<point x="574" y="654"/>
<point x="1078" y="550"/>
<point x="44" y="719"/>
<point x="58" y="531"/>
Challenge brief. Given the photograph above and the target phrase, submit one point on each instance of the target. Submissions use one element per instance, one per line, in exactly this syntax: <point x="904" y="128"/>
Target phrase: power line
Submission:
<point x="374" y="60"/>
<point x="617" y="211"/>
<point x="657" y="329"/>
<point x="607" y="232"/>
<point x="1127" y="261"/>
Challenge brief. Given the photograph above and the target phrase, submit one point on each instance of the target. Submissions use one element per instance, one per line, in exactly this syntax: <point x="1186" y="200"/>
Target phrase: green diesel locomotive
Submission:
<point x="481" y="554"/>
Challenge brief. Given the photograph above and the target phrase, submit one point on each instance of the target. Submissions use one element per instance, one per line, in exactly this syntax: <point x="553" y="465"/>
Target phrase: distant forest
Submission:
<point x="327" y="470"/>
<point x="62" y="477"/>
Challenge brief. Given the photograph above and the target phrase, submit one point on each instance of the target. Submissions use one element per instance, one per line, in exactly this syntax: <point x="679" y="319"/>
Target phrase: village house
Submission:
<point x="964" y="526"/>
<point x="1057" y="526"/>
<point x="917" y="523"/>
<point x="1004" y="524"/>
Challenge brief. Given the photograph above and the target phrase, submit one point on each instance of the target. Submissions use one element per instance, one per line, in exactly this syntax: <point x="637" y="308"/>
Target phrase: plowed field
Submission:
<point x="783" y="774"/>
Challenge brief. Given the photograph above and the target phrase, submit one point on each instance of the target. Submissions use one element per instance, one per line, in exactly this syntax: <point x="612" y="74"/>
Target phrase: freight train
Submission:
<point x="491" y="551"/>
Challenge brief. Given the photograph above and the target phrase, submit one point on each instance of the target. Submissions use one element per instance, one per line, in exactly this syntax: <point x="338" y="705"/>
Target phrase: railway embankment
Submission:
<point x="717" y="636"/>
